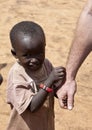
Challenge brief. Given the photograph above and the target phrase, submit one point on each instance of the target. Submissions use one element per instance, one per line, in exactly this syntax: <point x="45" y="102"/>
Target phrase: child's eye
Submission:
<point x="41" y="54"/>
<point x="26" y="55"/>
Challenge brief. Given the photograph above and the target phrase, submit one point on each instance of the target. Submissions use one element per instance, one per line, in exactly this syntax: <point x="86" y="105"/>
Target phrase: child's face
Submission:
<point x="31" y="53"/>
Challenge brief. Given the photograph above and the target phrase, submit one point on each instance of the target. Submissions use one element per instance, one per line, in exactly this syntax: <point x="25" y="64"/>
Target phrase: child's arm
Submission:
<point x="38" y="99"/>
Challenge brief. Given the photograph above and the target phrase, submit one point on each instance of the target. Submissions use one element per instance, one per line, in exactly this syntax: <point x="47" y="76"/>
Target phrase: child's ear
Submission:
<point x="13" y="53"/>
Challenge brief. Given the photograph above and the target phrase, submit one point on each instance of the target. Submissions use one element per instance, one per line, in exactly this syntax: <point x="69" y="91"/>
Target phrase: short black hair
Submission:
<point x="27" y="28"/>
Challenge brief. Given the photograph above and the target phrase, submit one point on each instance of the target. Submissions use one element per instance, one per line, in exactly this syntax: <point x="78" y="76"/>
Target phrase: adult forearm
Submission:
<point x="81" y="47"/>
<point x="82" y="42"/>
<point x="78" y="53"/>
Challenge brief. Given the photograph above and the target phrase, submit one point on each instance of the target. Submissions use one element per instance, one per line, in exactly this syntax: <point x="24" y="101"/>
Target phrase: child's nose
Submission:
<point x="33" y="60"/>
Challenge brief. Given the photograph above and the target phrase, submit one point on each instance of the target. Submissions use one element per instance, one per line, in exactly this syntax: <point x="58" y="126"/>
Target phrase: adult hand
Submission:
<point x="66" y="94"/>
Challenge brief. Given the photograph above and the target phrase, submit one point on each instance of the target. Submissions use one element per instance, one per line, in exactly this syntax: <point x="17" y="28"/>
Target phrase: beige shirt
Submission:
<point x="19" y="97"/>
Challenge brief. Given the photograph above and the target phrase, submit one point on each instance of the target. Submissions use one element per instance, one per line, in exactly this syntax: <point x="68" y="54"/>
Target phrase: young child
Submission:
<point x="32" y="80"/>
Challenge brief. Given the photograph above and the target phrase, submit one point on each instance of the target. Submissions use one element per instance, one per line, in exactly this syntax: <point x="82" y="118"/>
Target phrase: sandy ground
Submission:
<point x="58" y="18"/>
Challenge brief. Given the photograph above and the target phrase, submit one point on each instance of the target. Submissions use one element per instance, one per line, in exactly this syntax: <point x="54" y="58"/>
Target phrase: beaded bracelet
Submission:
<point x="46" y="88"/>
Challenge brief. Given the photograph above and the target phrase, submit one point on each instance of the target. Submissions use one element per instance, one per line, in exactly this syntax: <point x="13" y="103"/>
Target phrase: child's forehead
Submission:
<point x="29" y="36"/>
<point x="26" y="41"/>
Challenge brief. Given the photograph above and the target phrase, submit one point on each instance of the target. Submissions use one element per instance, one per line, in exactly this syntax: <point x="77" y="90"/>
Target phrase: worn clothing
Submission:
<point x="21" y="88"/>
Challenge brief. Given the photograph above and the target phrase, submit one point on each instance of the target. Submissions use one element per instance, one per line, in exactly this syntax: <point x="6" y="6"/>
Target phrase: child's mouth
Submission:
<point x="34" y="65"/>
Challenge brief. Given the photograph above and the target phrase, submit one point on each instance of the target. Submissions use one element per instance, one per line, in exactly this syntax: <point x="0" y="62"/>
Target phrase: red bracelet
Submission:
<point x="46" y="88"/>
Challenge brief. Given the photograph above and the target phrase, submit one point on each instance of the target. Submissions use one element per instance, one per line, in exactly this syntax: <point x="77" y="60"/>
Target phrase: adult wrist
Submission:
<point x="70" y="76"/>
<point x="70" y="73"/>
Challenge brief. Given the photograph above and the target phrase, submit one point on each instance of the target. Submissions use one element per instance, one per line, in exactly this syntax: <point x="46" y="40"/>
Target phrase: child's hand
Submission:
<point x="57" y="74"/>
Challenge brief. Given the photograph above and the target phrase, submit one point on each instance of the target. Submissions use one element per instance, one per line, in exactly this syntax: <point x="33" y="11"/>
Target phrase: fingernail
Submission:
<point x="70" y="107"/>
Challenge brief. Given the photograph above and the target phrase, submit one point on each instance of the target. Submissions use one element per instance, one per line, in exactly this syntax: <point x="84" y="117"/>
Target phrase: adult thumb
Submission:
<point x="70" y="102"/>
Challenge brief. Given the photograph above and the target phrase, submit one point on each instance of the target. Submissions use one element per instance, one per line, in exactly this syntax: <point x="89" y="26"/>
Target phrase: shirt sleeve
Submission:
<point x="20" y="92"/>
<point x="22" y="97"/>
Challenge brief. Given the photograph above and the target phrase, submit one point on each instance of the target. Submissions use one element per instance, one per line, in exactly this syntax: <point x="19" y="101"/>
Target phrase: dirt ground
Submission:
<point x="58" y="19"/>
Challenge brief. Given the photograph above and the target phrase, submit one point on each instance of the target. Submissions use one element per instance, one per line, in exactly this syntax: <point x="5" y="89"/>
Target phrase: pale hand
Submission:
<point x="66" y="94"/>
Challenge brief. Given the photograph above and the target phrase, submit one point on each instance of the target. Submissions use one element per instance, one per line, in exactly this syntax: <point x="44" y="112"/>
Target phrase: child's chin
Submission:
<point x="36" y="68"/>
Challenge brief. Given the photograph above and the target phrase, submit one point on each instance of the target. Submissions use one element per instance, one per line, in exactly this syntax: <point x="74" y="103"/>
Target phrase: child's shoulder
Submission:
<point x="16" y="67"/>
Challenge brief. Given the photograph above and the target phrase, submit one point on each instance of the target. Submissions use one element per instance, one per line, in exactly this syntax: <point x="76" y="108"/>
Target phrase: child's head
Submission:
<point x="28" y="44"/>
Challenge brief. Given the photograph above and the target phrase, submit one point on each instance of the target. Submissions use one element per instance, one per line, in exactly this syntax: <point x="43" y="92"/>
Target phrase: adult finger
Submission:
<point x="70" y="102"/>
<point x="63" y="102"/>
